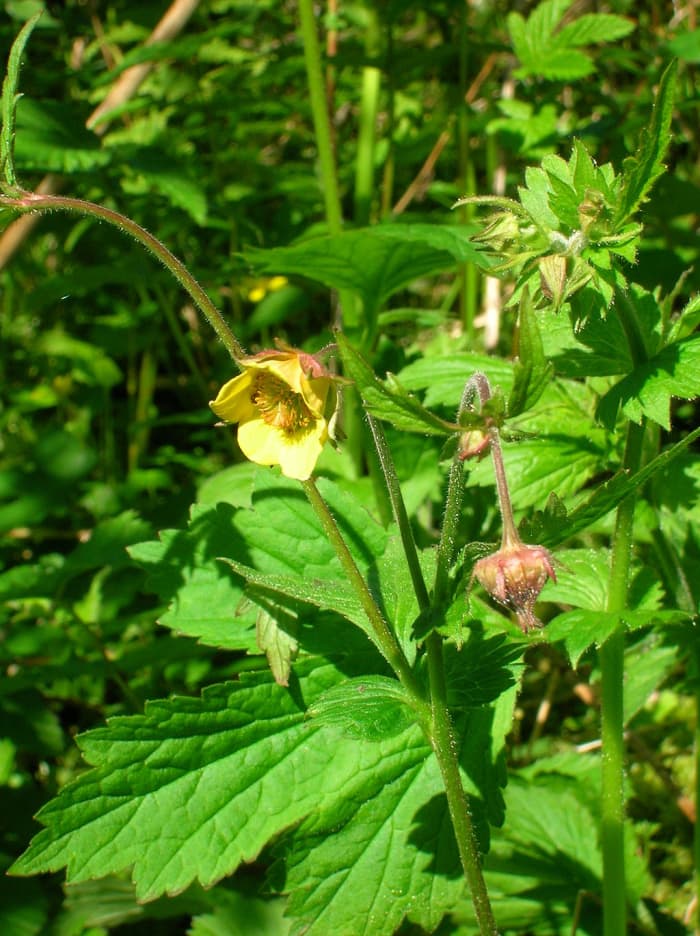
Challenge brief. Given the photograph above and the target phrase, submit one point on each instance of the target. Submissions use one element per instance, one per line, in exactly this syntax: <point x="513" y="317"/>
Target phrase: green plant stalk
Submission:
<point x="440" y="733"/>
<point x="352" y="420"/>
<point x="366" y="136"/>
<point x="612" y="707"/>
<point x="322" y="129"/>
<point x="29" y="201"/>
<point x="385" y="637"/>
<point x="467" y="277"/>
<point x="445" y="748"/>
<point x="398" y="508"/>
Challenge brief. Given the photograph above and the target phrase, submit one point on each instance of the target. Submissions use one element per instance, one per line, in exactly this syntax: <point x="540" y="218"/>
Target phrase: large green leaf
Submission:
<point x="194" y="787"/>
<point x="650" y="388"/>
<point x="277" y="544"/>
<point x="387" y="852"/>
<point x="373" y="262"/>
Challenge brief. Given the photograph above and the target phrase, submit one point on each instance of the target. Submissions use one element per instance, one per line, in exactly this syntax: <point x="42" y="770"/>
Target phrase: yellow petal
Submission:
<point x="268" y="445"/>
<point x="233" y="403"/>
<point x="286" y="366"/>
<point x="299" y="456"/>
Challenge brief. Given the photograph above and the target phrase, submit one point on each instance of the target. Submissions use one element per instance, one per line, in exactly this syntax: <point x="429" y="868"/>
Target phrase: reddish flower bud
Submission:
<point x="473" y="444"/>
<point x="515" y="576"/>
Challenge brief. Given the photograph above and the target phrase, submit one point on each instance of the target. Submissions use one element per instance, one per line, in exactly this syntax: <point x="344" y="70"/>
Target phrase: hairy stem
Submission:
<point x="385" y="638"/>
<point x="443" y="739"/>
<point x="612" y="711"/>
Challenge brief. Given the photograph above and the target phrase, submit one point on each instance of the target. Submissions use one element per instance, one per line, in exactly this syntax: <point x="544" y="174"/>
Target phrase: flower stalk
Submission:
<point x="439" y="729"/>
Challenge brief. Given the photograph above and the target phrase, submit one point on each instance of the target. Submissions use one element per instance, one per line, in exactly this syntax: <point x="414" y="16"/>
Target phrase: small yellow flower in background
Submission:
<point x="285" y="403"/>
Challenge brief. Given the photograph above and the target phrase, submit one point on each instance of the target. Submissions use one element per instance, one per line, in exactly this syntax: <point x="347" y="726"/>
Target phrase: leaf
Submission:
<point x="387" y="853"/>
<point x="202" y="596"/>
<point x="533" y="371"/>
<point x="241" y="914"/>
<point x="194" y="787"/>
<point x="552" y="53"/>
<point x="279" y="645"/>
<point x="641" y="170"/>
<point x="595" y="27"/>
<point x="443" y="377"/>
<point x="538" y="467"/>
<point x="581" y="629"/>
<point x="52" y="138"/>
<point x="608" y="495"/>
<point x="277" y="545"/>
<point x="649" y="389"/>
<point x="373" y="262"/>
<point x="10" y="97"/>
<point x="369" y="707"/>
<point x="388" y="400"/>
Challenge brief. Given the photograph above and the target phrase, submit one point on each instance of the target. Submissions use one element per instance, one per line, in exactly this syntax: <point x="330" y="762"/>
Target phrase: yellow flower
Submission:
<point x="285" y="404"/>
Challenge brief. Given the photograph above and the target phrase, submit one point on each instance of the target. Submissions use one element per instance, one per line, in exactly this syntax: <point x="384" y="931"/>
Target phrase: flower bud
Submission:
<point x="515" y="576"/>
<point x="473" y="444"/>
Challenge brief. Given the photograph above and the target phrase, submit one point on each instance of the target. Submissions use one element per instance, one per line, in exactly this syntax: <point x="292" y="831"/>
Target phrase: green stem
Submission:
<point x="445" y="748"/>
<point x="369" y="103"/>
<point x="322" y="128"/>
<point x="29" y="201"/>
<point x="385" y="637"/>
<point x="466" y="182"/>
<point x="439" y="727"/>
<point x="612" y="707"/>
<point x="398" y="508"/>
<point x="442" y="732"/>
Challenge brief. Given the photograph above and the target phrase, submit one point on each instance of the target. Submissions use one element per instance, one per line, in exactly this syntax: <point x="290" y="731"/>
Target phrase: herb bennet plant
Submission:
<point x="406" y="518"/>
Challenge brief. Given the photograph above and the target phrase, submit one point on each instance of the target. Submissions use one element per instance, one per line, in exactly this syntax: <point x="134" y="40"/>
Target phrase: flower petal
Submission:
<point x="296" y="455"/>
<point x="233" y="403"/>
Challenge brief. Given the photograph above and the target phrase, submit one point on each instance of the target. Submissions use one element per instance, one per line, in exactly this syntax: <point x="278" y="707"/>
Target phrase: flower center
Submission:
<point x="279" y="405"/>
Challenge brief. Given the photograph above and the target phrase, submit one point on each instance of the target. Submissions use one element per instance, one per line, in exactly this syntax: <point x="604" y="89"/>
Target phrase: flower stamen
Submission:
<point x="279" y="405"/>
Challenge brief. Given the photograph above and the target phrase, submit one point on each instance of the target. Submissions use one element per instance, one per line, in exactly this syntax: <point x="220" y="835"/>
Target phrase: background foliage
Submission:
<point x="106" y="439"/>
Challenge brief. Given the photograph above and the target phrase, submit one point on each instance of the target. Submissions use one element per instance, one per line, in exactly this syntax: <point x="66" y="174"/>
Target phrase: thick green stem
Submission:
<point x="612" y="708"/>
<point x="445" y="749"/>
<point x="466" y="181"/>
<point x="369" y="103"/>
<point x="322" y="129"/>
<point x="29" y="201"/>
<point x="385" y="637"/>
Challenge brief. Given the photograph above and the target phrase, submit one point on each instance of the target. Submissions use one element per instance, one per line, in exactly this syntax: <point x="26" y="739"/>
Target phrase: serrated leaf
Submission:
<point x="581" y="629"/>
<point x="10" y="97"/>
<point x="641" y="170"/>
<point x="194" y="787"/>
<point x="444" y="377"/>
<point x="388" y="400"/>
<point x="649" y="389"/>
<point x="533" y="371"/>
<point x="370" y="707"/>
<point x="608" y="495"/>
<point x="536" y="468"/>
<point x="372" y="262"/>
<point x="594" y="27"/>
<point x="203" y="597"/>
<point x="387" y="853"/>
